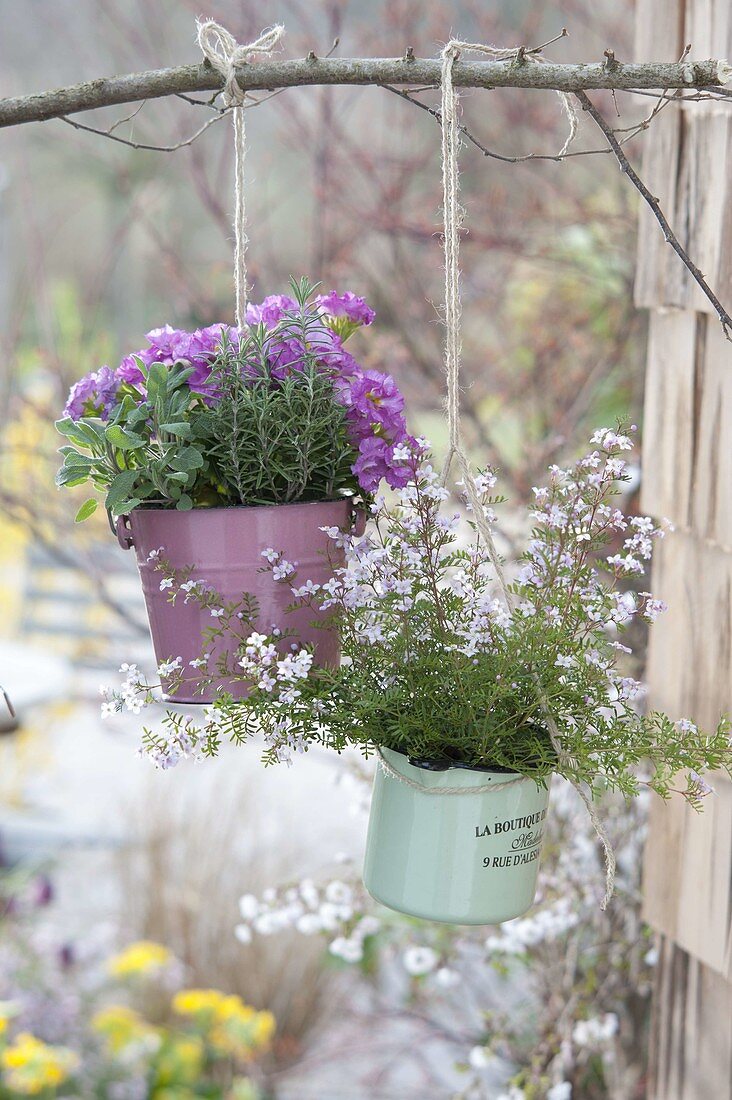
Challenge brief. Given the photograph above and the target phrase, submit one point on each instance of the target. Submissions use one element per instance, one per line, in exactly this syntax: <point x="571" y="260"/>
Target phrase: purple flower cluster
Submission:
<point x="374" y="403"/>
<point x="97" y="393"/>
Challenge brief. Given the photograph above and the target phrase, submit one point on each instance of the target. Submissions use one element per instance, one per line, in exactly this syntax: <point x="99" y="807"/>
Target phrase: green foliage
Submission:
<point x="438" y="668"/>
<point x="147" y="452"/>
<point x="267" y="431"/>
<point x="278" y="439"/>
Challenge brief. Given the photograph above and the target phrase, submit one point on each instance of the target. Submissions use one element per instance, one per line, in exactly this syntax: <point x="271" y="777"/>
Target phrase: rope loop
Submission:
<point x="484" y="788"/>
<point x="453" y="219"/>
<point x="225" y="55"/>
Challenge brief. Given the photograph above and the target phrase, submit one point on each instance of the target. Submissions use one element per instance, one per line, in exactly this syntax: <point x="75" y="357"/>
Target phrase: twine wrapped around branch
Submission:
<point x="453" y="215"/>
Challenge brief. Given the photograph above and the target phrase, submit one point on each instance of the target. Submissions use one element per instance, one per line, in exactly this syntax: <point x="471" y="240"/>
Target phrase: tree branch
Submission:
<point x="513" y="72"/>
<point x="668" y="233"/>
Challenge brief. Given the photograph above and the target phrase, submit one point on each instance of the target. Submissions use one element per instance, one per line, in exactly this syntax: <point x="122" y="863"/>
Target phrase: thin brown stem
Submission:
<point x="654" y="205"/>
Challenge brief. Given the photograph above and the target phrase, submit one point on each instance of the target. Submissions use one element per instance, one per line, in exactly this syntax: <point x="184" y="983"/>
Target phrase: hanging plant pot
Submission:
<point x="222" y="547"/>
<point x="465" y="858"/>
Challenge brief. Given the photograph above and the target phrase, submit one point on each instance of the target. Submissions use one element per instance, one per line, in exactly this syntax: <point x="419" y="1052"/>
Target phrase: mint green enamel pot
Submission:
<point x="464" y="858"/>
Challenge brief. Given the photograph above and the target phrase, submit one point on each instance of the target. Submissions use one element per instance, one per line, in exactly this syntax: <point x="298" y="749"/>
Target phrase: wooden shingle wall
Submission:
<point x="687" y="478"/>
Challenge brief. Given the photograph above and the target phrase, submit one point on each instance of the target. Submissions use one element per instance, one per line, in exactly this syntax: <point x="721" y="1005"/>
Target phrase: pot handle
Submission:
<point x="124" y="534"/>
<point x="358" y="519"/>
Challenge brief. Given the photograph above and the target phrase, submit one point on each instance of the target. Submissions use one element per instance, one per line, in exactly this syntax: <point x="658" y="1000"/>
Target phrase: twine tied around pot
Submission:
<point x="225" y="54"/>
<point x="484" y="788"/>
<point x="453" y="216"/>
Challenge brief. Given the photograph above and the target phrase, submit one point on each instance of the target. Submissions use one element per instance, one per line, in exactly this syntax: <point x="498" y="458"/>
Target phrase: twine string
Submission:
<point x="225" y="55"/>
<point x="453" y="217"/>
<point x="482" y="789"/>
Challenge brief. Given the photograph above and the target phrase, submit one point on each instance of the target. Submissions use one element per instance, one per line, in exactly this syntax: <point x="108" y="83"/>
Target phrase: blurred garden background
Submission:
<point x="123" y="943"/>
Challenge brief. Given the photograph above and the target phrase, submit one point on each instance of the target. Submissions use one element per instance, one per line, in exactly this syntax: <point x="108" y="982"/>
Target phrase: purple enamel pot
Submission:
<point x="224" y="548"/>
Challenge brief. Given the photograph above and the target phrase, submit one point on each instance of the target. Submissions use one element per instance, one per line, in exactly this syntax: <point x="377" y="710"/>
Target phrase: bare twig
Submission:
<point x="629" y="131"/>
<point x="400" y="71"/>
<point x="654" y="205"/>
<point x="141" y="144"/>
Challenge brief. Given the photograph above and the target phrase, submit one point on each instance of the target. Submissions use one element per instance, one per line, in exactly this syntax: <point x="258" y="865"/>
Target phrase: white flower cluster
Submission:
<point x="545" y="925"/>
<point x="310" y="910"/>
<point x="638" y="546"/>
<point x="181" y="743"/>
<point x="595" y="1032"/>
<point x="274" y="674"/>
<point x="133" y="694"/>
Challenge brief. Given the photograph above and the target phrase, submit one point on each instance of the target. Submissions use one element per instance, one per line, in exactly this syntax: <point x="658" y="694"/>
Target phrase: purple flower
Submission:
<point x="80" y="394"/>
<point x="376" y="461"/>
<point x="285" y="356"/>
<point x="371" y="465"/>
<point x="164" y="342"/>
<point x="93" y="395"/>
<point x="348" y="306"/>
<point x="198" y="348"/>
<point x="128" y="370"/>
<point x="374" y="402"/>
<point x="271" y="310"/>
<point x="334" y="357"/>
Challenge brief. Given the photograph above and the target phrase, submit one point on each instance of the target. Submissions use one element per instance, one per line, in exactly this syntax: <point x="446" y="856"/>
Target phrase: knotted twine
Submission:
<point x="453" y="216"/>
<point x="225" y="54"/>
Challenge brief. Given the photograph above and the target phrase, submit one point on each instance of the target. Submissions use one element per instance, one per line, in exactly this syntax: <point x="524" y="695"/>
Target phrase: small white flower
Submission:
<point x="270" y="555"/>
<point x="282" y="570"/>
<point x="308" y="924"/>
<point x="446" y="978"/>
<point x="307" y="589"/>
<point x="419" y="960"/>
<point x="596" y="1031"/>
<point x="165" y="668"/>
<point x="367" y="926"/>
<point x="309" y="893"/>
<point x="339" y="893"/>
<point x="248" y="906"/>
<point x="155" y="554"/>
<point x="216" y="612"/>
<point x="699" y="786"/>
<point x="346" y="949"/>
<point x="243" y="933"/>
<point x="480" y="1058"/>
<point x="331" y="916"/>
<point x="166" y="582"/>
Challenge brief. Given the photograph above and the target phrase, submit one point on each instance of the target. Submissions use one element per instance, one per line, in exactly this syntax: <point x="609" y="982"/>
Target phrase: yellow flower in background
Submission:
<point x="3" y="1024"/>
<point x="197" y="1002"/>
<point x="230" y="1026"/>
<point x="140" y="960"/>
<point x="233" y="1008"/>
<point x="239" y="1030"/>
<point x="32" y="1067"/>
<point x="264" y="1028"/>
<point x="123" y="1028"/>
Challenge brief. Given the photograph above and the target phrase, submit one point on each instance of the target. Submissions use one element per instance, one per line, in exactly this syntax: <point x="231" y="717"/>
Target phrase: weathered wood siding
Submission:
<point x="687" y="477"/>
